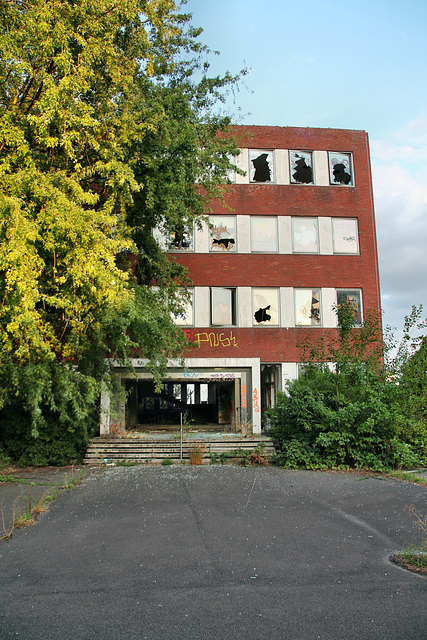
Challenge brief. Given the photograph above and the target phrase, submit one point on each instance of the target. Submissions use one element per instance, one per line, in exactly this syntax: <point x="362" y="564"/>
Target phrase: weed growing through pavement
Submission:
<point x="242" y="456"/>
<point x="34" y="507"/>
<point x="127" y="463"/>
<point x="414" y="556"/>
<point x="166" y="462"/>
<point x="197" y="452"/>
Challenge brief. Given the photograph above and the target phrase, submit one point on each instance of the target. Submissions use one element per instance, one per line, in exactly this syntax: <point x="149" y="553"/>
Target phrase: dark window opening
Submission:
<point x="261" y="166"/>
<point x="262" y="315"/>
<point x="209" y="405"/>
<point x="301" y="167"/>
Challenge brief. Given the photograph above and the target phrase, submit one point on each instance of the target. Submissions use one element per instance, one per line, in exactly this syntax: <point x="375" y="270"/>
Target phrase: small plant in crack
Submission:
<point x="414" y="556"/>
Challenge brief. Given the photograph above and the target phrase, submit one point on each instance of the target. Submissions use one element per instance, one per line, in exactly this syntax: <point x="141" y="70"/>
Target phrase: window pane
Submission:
<point x="304" y="235"/>
<point x="190" y="394"/>
<point x="181" y="239"/>
<point x="345" y="236"/>
<point x="264" y="234"/>
<point x="223" y="306"/>
<point x="340" y="169"/>
<point x="185" y="317"/>
<point x="266" y="307"/>
<point x="301" y="167"/>
<point x="223" y="233"/>
<point x="307" y="306"/>
<point x="261" y="166"/>
<point x="354" y="299"/>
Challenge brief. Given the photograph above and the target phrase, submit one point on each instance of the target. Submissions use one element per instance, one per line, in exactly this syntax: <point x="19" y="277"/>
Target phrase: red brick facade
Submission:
<point x="291" y="270"/>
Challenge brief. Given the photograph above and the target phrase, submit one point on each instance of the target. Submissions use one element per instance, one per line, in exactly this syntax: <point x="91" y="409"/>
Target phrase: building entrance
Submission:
<point x="207" y="406"/>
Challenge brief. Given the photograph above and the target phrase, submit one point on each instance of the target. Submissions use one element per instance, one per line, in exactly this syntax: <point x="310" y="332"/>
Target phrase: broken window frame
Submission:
<point x="253" y="155"/>
<point x="346" y="158"/>
<point x="295" y="222"/>
<point x="263" y="249"/>
<point x="268" y="293"/>
<point x="170" y="241"/>
<point x="351" y="237"/>
<point x="304" y="155"/>
<point x="352" y="295"/>
<point x="216" y="222"/>
<point x="315" y="318"/>
<point x="186" y="318"/>
<point x="215" y="293"/>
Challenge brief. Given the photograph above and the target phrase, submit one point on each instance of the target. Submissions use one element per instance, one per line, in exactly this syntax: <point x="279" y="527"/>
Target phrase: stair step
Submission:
<point x="155" y="450"/>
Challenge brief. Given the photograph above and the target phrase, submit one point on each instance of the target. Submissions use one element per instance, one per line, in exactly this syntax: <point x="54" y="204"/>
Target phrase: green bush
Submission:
<point x="347" y="408"/>
<point x="50" y="416"/>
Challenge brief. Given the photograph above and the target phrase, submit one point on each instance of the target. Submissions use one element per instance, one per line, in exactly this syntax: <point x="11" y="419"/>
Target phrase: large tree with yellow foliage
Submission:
<point x="107" y="121"/>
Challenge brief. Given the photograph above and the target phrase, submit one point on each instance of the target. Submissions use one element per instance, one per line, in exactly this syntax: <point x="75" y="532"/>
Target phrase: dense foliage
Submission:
<point x="107" y="121"/>
<point x="349" y="408"/>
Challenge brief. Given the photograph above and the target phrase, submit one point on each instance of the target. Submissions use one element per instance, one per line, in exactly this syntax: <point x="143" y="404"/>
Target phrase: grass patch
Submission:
<point x="33" y="507"/>
<point x="166" y="462"/>
<point x="127" y="463"/>
<point x="414" y="557"/>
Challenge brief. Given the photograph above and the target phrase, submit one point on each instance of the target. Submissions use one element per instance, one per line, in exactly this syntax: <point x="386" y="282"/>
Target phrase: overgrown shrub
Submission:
<point x="345" y="409"/>
<point x="50" y="416"/>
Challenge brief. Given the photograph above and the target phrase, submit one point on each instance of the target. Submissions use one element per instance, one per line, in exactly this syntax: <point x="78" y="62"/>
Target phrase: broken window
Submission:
<point x="261" y="166"/>
<point x="264" y="234"/>
<point x="204" y="393"/>
<point x="307" y="307"/>
<point x="301" y="163"/>
<point x="183" y="315"/>
<point x="191" y="396"/>
<point x="180" y="239"/>
<point x="177" y="391"/>
<point x="265" y="306"/>
<point x="305" y="235"/>
<point x="340" y="168"/>
<point x="223" y="233"/>
<point x="345" y="235"/>
<point x="223" y="306"/>
<point x="354" y="299"/>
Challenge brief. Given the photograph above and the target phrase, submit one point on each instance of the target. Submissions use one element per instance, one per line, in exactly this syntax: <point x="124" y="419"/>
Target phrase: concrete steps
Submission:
<point x="154" y="450"/>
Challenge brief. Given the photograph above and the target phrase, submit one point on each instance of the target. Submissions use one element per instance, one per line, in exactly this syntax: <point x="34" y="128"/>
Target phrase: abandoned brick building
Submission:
<point x="296" y="238"/>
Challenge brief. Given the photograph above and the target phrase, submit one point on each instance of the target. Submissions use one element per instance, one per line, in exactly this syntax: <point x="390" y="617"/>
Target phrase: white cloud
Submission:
<point x="408" y="144"/>
<point x="400" y="197"/>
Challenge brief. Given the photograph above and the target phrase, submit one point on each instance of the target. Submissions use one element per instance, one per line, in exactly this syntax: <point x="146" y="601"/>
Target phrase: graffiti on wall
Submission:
<point x="203" y="377"/>
<point x="244" y="403"/>
<point x="255" y="400"/>
<point x="214" y="339"/>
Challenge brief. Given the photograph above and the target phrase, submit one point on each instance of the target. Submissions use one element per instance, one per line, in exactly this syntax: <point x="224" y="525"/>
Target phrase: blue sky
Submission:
<point x="351" y="65"/>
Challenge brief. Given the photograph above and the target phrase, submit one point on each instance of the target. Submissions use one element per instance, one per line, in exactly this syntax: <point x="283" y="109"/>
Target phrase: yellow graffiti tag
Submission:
<point x="216" y="339"/>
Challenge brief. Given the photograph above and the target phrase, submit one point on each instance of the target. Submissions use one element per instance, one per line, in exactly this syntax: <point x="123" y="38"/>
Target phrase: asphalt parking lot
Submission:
<point x="186" y="553"/>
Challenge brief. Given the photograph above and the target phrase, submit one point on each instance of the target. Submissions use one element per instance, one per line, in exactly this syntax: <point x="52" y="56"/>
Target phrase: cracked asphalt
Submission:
<point x="186" y="553"/>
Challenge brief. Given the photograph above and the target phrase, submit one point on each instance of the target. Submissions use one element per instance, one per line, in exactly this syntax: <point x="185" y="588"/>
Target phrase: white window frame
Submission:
<point x="347" y="154"/>
<point x="254" y="220"/>
<point x="256" y="153"/>
<point x="256" y="307"/>
<point x="295" y="221"/>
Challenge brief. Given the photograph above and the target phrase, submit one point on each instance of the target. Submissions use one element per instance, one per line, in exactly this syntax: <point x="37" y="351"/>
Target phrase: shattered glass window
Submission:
<point x="307" y="307"/>
<point x="354" y="299"/>
<point x="261" y="166"/>
<point x="345" y="235"/>
<point x="264" y="234"/>
<point x="180" y="239"/>
<point x="223" y="233"/>
<point x="301" y="164"/>
<point x="340" y="169"/>
<point x="305" y="235"/>
<point x="223" y="306"/>
<point x="265" y="306"/>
